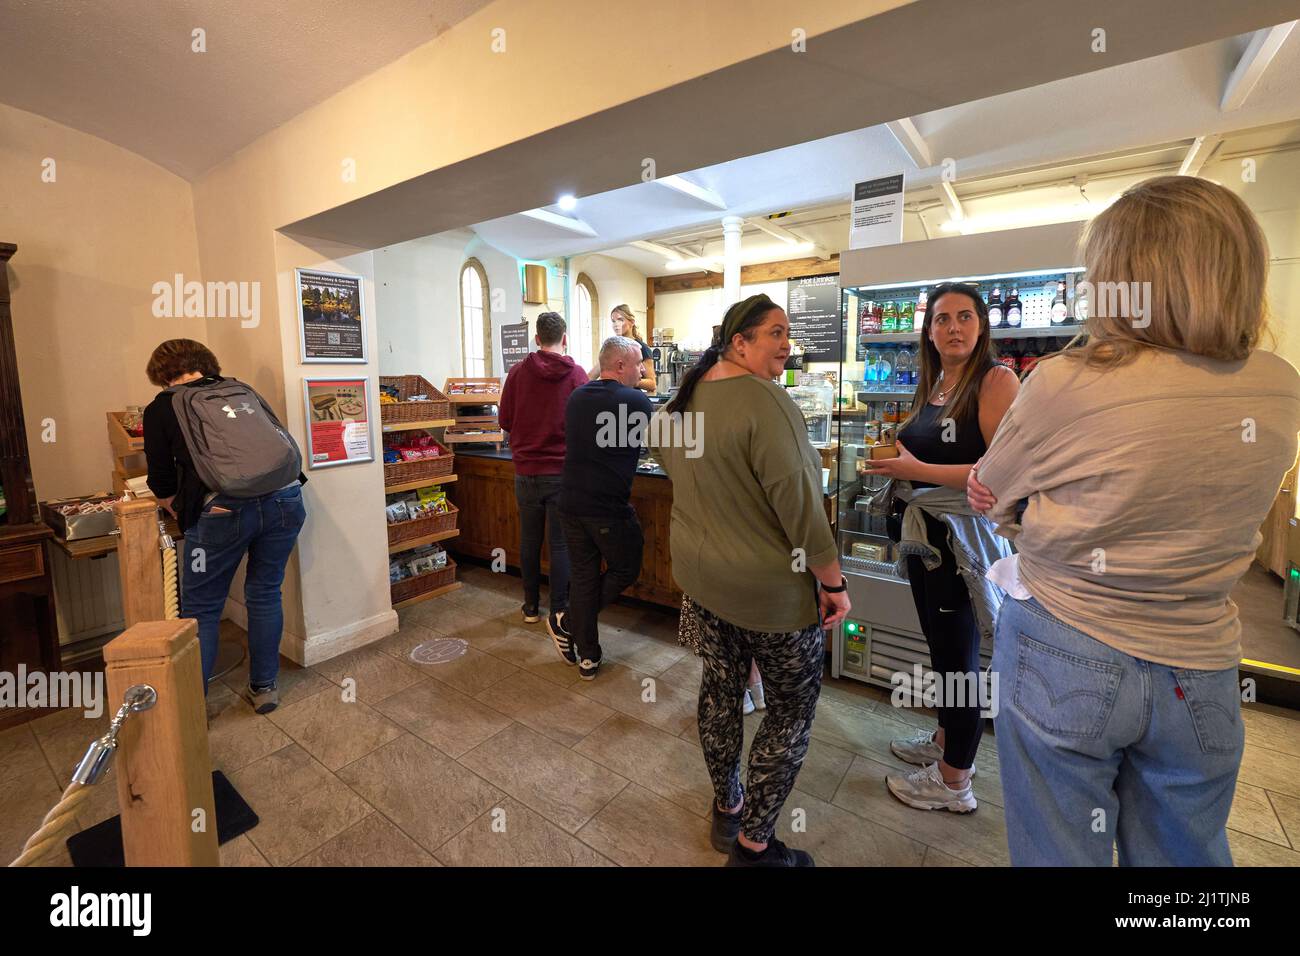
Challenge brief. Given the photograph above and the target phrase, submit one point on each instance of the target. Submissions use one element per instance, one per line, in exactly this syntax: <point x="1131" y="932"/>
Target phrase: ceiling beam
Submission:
<point x="913" y="143"/>
<point x="560" y="222"/>
<point x="1261" y="49"/>
<point x="757" y="272"/>
<point x="695" y="191"/>
<point x="1198" y="154"/>
<point x="785" y="235"/>
<point x="950" y="201"/>
<point x="674" y="255"/>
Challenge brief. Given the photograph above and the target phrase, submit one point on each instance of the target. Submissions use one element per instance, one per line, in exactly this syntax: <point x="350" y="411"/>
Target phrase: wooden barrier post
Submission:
<point x="163" y="768"/>
<point x="139" y="561"/>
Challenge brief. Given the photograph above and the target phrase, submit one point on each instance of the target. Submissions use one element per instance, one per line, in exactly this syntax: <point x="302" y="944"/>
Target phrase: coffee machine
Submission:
<point x="667" y="370"/>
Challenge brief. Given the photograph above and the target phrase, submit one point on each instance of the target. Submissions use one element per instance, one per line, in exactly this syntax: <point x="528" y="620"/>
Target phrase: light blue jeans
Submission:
<point x="1097" y="747"/>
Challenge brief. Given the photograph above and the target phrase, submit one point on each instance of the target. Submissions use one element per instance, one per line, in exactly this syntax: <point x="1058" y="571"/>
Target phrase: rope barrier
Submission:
<point x="171" y="600"/>
<point x="89" y="771"/>
<point x="46" y="837"/>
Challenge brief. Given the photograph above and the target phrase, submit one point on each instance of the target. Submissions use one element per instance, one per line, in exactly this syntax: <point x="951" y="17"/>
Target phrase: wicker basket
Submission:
<point x="400" y="472"/>
<point x="423" y="583"/>
<point x="407" y="530"/>
<point x="437" y="408"/>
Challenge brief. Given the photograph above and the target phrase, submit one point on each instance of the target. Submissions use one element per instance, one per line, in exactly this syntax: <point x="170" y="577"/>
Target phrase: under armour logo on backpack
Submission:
<point x="243" y="407"/>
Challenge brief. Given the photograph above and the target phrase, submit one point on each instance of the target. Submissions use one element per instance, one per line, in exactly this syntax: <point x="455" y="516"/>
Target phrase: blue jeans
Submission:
<point x="538" y="497"/>
<point x="1097" y="747"/>
<point x="265" y="529"/>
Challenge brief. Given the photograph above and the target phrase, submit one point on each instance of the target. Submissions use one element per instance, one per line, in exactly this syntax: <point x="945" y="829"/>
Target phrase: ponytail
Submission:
<point x="741" y="319"/>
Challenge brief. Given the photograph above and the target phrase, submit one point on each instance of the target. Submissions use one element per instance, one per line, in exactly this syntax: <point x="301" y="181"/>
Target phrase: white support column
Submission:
<point x="731" y="227"/>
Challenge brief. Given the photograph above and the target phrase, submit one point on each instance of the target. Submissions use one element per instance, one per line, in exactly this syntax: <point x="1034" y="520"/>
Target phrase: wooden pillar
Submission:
<point x="139" y="560"/>
<point x="649" y="309"/>
<point x="163" y="768"/>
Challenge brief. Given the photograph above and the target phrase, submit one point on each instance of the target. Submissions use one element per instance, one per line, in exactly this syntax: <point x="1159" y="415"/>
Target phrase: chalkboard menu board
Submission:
<point x="514" y="346"/>
<point x="813" y="305"/>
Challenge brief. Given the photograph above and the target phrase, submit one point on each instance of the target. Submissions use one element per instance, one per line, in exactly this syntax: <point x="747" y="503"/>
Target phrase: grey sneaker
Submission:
<point x="263" y="701"/>
<point x="919" y="749"/>
<point x="924" y="789"/>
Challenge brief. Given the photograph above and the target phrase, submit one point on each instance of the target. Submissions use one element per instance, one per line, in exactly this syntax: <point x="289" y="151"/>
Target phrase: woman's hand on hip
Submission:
<point x="834" y="606"/>
<point x="977" y="495"/>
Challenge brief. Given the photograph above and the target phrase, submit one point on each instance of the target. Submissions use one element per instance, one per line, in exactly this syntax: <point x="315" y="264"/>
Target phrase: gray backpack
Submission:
<point x="239" y="447"/>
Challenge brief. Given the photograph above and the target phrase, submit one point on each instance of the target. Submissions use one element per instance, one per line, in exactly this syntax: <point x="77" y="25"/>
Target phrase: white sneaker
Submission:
<point x="919" y="749"/>
<point x="748" y="707"/>
<point x="924" y="789"/>
<point x="755" y="692"/>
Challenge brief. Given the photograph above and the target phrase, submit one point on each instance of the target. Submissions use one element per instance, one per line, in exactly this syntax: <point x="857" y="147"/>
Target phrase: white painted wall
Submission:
<point x="617" y="283"/>
<point x="91" y="244"/>
<point x="417" y="286"/>
<point x="693" y="314"/>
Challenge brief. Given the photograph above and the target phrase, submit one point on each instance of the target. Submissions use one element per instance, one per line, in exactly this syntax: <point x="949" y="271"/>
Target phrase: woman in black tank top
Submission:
<point x="960" y="399"/>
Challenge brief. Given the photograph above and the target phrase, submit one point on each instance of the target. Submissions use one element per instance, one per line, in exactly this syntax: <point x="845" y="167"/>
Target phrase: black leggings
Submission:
<point x="791" y="664"/>
<point x="948" y="622"/>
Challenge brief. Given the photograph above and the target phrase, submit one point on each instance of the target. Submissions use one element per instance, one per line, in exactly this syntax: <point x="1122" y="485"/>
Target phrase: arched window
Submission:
<point x="475" y="320"/>
<point x="586" y="322"/>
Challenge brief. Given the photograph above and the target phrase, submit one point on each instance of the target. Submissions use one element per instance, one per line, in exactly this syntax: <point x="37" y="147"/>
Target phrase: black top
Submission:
<point x="604" y="432"/>
<point x="171" y="467"/>
<point x="924" y="438"/>
<point x="645" y="350"/>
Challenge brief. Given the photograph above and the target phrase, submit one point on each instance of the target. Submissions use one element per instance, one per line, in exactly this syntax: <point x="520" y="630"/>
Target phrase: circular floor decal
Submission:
<point x="439" y="651"/>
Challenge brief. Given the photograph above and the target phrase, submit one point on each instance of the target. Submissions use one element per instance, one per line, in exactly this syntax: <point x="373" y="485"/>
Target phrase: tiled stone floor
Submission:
<point x="504" y="757"/>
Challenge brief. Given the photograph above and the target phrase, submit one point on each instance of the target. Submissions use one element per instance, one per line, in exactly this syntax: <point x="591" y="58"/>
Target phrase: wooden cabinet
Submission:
<point x="28" y="632"/>
<point x="489" y="518"/>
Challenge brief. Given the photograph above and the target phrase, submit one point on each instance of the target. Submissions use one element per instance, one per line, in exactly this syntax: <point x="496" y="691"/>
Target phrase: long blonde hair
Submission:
<point x="626" y="312"/>
<point x="1201" y="254"/>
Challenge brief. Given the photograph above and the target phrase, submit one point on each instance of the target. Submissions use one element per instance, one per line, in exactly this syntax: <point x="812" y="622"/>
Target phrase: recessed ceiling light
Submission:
<point x="567" y="202"/>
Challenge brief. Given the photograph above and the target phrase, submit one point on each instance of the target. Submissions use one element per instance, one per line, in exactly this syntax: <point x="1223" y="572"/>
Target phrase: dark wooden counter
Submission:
<point x="489" y="519"/>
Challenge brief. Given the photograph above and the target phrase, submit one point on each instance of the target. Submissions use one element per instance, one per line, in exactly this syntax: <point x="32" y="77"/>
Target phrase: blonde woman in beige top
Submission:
<point x="1148" y="459"/>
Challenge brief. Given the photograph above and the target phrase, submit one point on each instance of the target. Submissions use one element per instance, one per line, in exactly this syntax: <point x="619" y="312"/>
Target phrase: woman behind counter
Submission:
<point x="624" y="323"/>
<point x="750" y="543"/>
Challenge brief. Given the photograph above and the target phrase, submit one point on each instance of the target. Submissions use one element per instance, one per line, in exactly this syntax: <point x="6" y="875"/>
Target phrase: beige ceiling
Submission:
<point x="124" y="70"/>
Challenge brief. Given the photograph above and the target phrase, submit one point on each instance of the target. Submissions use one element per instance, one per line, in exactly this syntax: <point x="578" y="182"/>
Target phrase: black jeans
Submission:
<point x="619" y="542"/>
<point x="538" y="497"/>
<point x="948" y="622"/>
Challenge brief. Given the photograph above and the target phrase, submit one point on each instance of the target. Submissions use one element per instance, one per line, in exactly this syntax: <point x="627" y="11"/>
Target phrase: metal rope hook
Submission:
<point x="99" y="754"/>
<point x="92" y="767"/>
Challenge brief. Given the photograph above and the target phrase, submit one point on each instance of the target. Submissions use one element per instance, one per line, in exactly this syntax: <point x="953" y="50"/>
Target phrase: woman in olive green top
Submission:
<point x="750" y="542"/>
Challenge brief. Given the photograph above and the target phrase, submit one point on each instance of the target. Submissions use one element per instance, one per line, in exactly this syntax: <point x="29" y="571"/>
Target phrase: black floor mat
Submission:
<point x="101" y="845"/>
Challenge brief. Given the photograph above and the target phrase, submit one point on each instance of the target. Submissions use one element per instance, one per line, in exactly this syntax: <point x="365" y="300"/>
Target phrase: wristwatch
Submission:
<point x="844" y="586"/>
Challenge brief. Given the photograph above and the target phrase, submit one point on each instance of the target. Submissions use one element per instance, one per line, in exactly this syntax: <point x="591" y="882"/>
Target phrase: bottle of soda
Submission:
<point x="919" y="318"/>
<point x="995" y="308"/>
<point x="890" y="323"/>
<point x="870" y="318"/>
<point x="1013" y="308"/>
<point x="1060" y="312"/>
<point x="1007" y="355"/>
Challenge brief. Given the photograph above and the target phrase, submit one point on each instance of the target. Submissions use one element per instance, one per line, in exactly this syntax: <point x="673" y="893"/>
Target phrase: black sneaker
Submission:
<point x="557" y="624"/>
<point x="726" y="827"/>
<point x="587" y="668"/>
<point x="776" y="854"/>
<point x="531" y="614"/>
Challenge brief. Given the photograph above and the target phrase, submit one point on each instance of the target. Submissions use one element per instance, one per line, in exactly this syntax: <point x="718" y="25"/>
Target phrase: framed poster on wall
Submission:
<point x="331" y="317"/>
<point x="338" y="421"/>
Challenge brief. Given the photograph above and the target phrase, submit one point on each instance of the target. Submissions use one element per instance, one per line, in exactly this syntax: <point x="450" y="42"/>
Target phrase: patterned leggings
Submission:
<point x="791" y="665"/>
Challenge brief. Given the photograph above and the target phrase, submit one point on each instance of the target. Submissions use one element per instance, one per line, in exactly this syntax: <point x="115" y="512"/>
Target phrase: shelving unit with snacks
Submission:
<point x="878" y="378"/>
<point x="417" y="468"/>
<point x="475" y="405"/>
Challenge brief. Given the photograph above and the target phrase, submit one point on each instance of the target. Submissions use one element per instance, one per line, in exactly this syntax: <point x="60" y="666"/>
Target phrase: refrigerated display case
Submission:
<point x="882" y="636"/>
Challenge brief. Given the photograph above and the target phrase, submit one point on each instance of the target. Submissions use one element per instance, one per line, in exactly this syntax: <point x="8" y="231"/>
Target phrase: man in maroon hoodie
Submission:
<point x="532" y="411"/>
